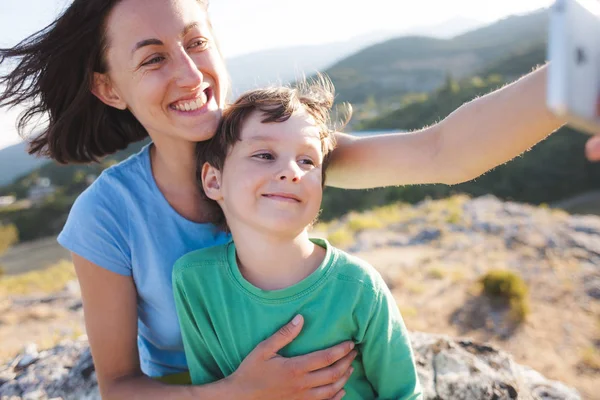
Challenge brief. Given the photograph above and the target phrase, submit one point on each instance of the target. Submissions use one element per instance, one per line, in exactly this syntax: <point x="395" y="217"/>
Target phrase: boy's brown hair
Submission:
<point x="277" y="104"/>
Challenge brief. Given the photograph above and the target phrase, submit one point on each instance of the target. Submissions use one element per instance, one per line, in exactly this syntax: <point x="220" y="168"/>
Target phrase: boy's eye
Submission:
<point x="264" y="156"/>
<point x="307" y="161"/>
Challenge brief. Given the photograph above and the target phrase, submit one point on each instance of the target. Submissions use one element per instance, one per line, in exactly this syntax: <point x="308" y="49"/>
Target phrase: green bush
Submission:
<point x="9" y="235"/>
<point x="360" y="222"/>
<point x="341" y="237"/>
<point x="510" y="287"/>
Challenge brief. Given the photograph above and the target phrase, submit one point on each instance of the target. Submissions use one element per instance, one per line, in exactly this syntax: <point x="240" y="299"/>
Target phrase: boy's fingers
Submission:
<point x="322" y="358"/>
<point x="284" y="336"/>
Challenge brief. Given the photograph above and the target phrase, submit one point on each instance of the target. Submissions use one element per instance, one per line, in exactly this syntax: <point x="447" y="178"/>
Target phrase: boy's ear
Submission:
<point x="103" y="89"/>
<point x="211" y="182"/>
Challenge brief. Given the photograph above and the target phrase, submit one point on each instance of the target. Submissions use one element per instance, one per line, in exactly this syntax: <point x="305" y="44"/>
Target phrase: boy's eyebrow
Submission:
<point x="260" y="139"/>
<point x="157" y="42"/>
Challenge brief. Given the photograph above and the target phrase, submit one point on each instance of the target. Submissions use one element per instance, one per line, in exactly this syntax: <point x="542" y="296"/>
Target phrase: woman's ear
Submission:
<point x="103" y="89"/>
<point x="211" y="182"/>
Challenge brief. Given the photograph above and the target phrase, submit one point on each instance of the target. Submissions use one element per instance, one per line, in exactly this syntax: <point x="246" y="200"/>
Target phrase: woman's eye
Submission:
<point x="264" y="156"/>
<point x="200" y="43"/>
<point x="154" y="60"/>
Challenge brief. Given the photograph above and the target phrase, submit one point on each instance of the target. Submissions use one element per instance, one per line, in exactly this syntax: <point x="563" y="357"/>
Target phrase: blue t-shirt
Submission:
<point x="123" y="223"/>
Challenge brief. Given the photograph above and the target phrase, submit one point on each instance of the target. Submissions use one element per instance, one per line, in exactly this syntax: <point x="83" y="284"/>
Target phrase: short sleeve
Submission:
<point x="387" y="355"/>
<point x="97" y="227"/>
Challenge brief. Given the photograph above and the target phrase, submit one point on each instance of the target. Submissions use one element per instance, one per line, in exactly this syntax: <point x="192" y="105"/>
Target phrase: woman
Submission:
<point x="111" y="72"/>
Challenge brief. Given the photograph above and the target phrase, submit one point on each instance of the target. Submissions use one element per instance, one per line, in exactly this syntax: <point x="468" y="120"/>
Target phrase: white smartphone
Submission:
<point x="574" y="72"/>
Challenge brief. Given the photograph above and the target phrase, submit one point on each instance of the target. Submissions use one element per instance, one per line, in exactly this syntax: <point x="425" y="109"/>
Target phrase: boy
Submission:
<point x="265" y="169"/>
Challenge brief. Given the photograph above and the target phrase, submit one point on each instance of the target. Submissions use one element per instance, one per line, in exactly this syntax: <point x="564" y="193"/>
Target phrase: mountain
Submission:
<point x="413" y="64"/>
<point x="14" y="161"/>
<point x="282" y="65"/>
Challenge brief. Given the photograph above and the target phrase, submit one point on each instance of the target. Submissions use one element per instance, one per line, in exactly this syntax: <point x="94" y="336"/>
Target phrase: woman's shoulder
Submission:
<point x="98" y="225"/>
<point x="115" y="183"/>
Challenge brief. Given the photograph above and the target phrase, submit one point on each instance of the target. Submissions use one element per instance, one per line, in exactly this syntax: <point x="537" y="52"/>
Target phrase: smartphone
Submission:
<point x="573" y="90"/>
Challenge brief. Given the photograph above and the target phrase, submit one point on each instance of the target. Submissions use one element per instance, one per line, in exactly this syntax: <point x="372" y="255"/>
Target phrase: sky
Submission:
<point x="245" y="26"/>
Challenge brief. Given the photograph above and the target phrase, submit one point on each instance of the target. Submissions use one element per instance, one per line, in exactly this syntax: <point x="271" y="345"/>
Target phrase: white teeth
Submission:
<point x="192" y="105"/>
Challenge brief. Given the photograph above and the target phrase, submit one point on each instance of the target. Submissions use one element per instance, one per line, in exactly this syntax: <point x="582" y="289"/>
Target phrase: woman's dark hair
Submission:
<point x="52" y="78"/>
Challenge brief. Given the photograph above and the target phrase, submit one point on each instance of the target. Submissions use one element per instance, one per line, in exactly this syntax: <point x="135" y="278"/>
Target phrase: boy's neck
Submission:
<point x="272" y="263"/>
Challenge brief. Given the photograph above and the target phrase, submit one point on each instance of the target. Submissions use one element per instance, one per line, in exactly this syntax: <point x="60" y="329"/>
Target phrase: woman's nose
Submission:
<point x="188" y="74"/>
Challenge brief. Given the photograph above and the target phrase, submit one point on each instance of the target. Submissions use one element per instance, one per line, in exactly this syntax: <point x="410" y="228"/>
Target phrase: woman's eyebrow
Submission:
<point x="157" y="42"/>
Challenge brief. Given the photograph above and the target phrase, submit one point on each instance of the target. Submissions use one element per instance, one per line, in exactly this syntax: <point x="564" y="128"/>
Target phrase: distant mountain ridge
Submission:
<point x="420" y="64"/>
<point x="14" y="162"/>
<point x="282" y="65"/>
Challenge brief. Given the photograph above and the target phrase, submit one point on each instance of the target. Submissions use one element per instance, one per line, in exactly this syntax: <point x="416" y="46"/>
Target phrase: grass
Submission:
<point x="341" y="237"/>
<point x="360" y="222"/>
<point x="510" y="287"/>
<point x="408" y="312"/>
<point x="393" y="213"/>
<point x="590" y="357"/>
<point x="342" y="233"/>
<point x="436" y="273"/>
<point x="49" y="280"/>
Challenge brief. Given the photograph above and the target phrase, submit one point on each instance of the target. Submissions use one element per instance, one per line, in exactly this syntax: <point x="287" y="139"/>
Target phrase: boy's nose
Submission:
<point x="290" y="172"/>
<point x="284" y="177"/>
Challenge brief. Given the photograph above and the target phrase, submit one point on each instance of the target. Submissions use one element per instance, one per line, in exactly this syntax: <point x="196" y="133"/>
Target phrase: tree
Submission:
<point x="8" y="236"/>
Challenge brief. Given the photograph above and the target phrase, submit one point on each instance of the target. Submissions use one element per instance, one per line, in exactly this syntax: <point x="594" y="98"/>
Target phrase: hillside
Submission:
<point x="433" y="256"/>
<point x="553" y="170"/>
<point x="420" y="64"/>
<point x="283" y="65"/>
<point x="14" y="161"/>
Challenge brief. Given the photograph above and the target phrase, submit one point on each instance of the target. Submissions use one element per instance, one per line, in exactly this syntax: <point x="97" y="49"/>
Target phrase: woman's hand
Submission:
<point x="320" y="375"/>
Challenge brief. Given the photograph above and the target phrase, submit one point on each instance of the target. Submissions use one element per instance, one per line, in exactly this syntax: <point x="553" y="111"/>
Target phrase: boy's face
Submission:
<point x="271" y="179"/>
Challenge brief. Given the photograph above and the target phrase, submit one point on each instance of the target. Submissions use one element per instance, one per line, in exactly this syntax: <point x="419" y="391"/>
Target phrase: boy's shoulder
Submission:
<point x="355" y="270"/>
<point x="202" y="258"/>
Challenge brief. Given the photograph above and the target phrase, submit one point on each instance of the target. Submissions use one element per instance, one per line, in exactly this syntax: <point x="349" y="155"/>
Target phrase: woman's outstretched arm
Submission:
<point x="477" y="137"/>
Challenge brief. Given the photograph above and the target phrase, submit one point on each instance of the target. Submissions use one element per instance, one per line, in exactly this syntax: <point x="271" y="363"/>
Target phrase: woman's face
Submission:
<point x="165" y="67"/>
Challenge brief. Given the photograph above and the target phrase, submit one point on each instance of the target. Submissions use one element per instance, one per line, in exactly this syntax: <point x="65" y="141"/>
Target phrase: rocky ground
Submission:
<point x="448" y="369"/>
<point x="432" y="255"/>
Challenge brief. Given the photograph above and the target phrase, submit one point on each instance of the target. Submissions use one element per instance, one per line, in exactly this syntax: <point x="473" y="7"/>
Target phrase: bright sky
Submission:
<point x="245" y="26"/>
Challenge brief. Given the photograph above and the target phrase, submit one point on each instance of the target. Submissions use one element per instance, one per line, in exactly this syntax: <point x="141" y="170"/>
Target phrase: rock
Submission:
<point x="591" y="285"/>
<point x="28" y="357"/>
<point x="448" y="369"/>
<point x="425" y="236"/>
<point x="460" y="369"/>
<point x="65" y="371"/>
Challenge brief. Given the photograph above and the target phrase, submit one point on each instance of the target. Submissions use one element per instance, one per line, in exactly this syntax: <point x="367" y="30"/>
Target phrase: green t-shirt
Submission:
<point x="223" y="317"/>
